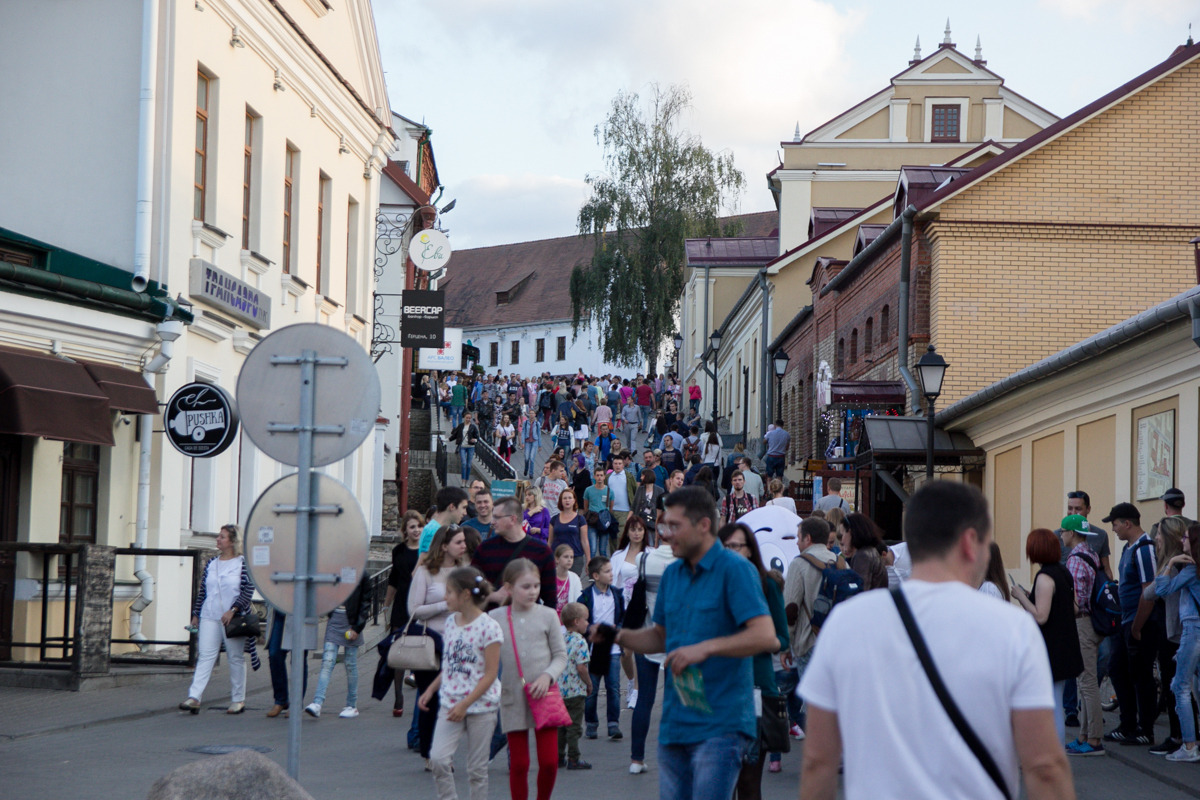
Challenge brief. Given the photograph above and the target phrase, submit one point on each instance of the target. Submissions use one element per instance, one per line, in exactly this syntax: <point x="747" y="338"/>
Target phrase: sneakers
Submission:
<point x="313" y="709"/>
<point x="637" y="768"/>
<point x="578" y="765"/>
<point x="775" y="766"/>
<point x="349" y="712"/>
<point x="590" y="732"/>
<point x="1078" y="748"/>
<point x="1183" y="754"/>
<point x="614" y="734"/>
<point x="631" y="698"/>
<point x="797" y="733"/>
<point x="1167" y="747"/>
<point x="1121" y="737"/>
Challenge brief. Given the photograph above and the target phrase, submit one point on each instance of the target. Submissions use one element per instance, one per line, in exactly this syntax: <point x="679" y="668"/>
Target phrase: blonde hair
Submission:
<point x="536" y="494"/>
<point x="1169" y="542"/>
<point x="235" y="537"/>
<point x="834" y="516"/>
<point x="572" y="612"/>
<point x="518" y="567"/>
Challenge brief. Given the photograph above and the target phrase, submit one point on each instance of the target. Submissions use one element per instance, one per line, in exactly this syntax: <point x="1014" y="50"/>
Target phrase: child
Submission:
<point x="543" y="655"/>
<point x="344" y="629"/>
<point x="569" y="586"/>
<point x="575" y="684"/>
<point x="606" y="606"/>
<point x="470" y="695"/>
<point x="562" y="434"/>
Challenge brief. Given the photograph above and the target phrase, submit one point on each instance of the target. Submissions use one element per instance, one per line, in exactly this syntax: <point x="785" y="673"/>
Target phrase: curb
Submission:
<point x="1138" y="764"/>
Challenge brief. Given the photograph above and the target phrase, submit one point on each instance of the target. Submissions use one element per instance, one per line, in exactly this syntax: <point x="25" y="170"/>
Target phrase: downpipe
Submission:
<point x="906" y="222"/>
<point x="145" y="151"/>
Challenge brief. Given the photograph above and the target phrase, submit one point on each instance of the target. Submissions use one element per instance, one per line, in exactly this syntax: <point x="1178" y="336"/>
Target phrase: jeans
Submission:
<point x="787" y="680"/>
<point x="1132" y="673"/>
<point x="1059" y="717"/>
<point x="350" y="662"/>
<point x="647" y="680"/>
<point x="1070" y="697"/>
<point x="212" y="633"/>
<point x="801" y="665"/>
<point x="597" y="542"/>
<point x="612" y="693"/>
<point x="466" y="455"/>
<point x="277" y="659"/>
<point x="531" y="449"/>
<point x="646" y="412"/>
<point x="456" y="415"/>
<point x="706" y="770"/>
<point x="774" y="466"/>
<point x="1187" y="661"/>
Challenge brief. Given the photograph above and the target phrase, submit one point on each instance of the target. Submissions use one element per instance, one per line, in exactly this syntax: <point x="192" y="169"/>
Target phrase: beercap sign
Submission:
<point x="422" y="318"/>
<point x="200" y="420"/>
<point x="429" y="250"/>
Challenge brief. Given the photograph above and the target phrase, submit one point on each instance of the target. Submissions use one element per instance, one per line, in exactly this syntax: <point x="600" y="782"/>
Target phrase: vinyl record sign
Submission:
<point x="201" y="420"/>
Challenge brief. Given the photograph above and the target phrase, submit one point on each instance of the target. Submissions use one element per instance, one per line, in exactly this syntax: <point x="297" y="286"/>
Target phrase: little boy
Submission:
<point x="606" y="606"/>
<point x="575" y="684"/>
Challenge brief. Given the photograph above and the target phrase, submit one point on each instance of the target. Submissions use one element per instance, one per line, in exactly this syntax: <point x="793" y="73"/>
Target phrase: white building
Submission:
<point x="239" y="139"/>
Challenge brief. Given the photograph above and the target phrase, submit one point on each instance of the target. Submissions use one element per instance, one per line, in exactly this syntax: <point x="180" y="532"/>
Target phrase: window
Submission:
<point x="540" y="350"/>
<point x="352" y="256"/>
<point x="840" y="364"/>
<point x="562" y="348"/>
<point x="289" y="175"/>
<point x="80" y="493"/>
<point x="322" y="236"/>
<point x="884" y="320"/>
<point x="201" y="166"/>
<point x="945" y="124"/>
<point x="247" y="180"/>
<point x="494" y="354"/>
<point x="868" y="335"/>
<point x="516" y="352"/>
<point x="854" y="346"/>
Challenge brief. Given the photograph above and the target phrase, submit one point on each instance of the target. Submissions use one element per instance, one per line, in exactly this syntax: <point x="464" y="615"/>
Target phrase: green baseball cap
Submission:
<point x="1075" y="522"/>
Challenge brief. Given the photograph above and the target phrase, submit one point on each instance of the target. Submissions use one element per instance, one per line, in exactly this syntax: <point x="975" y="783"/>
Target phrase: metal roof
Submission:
<point x="893" y="438"/>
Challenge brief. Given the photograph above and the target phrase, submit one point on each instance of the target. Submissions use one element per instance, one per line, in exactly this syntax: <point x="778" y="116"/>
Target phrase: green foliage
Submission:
<point x="662" y="186"/>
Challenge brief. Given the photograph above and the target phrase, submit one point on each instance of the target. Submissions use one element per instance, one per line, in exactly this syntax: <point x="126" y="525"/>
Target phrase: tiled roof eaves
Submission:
<point x="829" y="234"/>
<point x="1176" y="61"/>
<point x="864" y="256"/>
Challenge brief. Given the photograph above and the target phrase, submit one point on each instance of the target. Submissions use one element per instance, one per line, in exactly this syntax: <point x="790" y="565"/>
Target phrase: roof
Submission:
<point x="1143" y="324"/>
<point x="749" y="251"/>
<point x="399" y="177"/>
<point x="1181" y="56"/>
<point x="868" y="392"/>
<point x="902" y="438"/>
<point x="867" y="233"/>
<point x="826" y="219"/>
<point x="918" y="182"/>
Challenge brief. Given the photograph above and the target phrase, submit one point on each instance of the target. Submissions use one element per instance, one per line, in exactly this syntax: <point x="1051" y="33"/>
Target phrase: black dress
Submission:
<point x="404" y="561"/>
<point x="1059" y="631"/>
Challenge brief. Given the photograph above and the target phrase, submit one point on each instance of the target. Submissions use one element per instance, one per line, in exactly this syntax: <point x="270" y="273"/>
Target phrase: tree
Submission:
<point x="662" y="187"/>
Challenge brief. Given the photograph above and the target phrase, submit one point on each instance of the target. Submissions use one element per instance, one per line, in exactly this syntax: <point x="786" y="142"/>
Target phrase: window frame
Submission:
<point x="515" y="352"/>
<point x="200" y="164"/>
<point x="561" y="348"/>
<point x="248" y="179"/>
<point x="324" y="185"/>
<point x="539" y="354"/>
<point x="494" y="354"/>
<point x="73" y="467"/>
<point x="290" y="157"/>
<point x="947" y="108"/>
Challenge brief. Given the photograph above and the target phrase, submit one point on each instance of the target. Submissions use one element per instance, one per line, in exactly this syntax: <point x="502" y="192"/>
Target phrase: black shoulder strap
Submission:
<point x="1087" y="560"/>
<point x="939" y="688"/>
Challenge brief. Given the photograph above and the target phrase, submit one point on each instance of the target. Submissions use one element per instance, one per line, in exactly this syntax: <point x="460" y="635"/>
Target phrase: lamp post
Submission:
<point x="678" y="341"/>
<point x="932" y="370"/>
<point x="714" y="343"/>
<point x="780" y="360"/>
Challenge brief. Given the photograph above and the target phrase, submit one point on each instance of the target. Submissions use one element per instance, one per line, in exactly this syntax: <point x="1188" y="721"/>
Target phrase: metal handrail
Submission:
<point x="66" y="642"/>
<point x="191" y="641"/>
<point x="500" y="469"/>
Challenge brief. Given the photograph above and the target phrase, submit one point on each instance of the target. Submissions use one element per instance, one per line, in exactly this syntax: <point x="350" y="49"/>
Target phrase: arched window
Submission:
<point x="854" y="346"/>
<point x="885" y="320"/>
<point x="868" y="336"/>
<point x="841" y="357"/>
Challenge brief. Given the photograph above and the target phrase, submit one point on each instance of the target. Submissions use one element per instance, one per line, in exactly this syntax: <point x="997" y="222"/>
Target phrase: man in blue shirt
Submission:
<point x="1142" y="631"/>
<point x="710" y="618"/>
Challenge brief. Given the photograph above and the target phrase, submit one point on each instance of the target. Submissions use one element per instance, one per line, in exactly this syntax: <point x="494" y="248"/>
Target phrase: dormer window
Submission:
<point x="945" y="124"/>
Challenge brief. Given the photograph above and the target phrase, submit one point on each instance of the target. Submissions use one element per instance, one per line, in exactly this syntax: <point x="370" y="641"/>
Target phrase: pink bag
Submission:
<point x="549" y="711"/>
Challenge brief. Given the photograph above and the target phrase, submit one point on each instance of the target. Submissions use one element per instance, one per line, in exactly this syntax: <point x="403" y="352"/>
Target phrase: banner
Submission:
<point x="422" y="318"/>
<point x="447" y="358"/>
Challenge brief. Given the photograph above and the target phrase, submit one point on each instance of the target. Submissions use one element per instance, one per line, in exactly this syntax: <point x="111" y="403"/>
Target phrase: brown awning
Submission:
<point x="42" y="395"/>
<point x="867" y="392"/>
<point x="127" y="390"/>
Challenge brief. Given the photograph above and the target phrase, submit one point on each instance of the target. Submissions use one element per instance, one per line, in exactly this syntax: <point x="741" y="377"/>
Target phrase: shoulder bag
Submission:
<point x="773" y="725"/>
<point x="239" y="625"/>
<point x="416" y="651"/>
<point x="960" y="722"/>
<point x="549" y="711"/>
<point x="637" y="610"/>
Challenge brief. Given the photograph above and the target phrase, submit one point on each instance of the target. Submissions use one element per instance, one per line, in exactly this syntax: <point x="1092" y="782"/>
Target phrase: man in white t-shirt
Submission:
<point x="865" y="686"/>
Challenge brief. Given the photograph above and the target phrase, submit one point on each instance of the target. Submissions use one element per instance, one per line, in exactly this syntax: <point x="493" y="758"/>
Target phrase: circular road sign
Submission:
<point x="345" y="395"/>
<point x="429" y="250"/>
<point x="201" y="420"/>
<point x="341" y="542"/>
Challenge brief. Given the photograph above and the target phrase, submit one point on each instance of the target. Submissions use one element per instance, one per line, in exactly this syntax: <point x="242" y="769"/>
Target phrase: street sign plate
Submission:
<point x="345" y="395"/>
<point x="340" y="541"/>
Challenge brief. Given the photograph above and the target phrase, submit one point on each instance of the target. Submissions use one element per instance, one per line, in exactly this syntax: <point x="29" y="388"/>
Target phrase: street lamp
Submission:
<point x="678" y="341"/>
<point x="932" y="370"/>
<point x="714" y="342"/>
<point x="780" y="359"/>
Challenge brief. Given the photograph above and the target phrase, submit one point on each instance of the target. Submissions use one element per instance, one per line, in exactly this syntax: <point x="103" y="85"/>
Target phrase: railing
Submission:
<point x="377" y="586"/>
<point x="190" y="642"/>
<point x="802" y="493"/>
<point x="65" y="643"/>
<point x="501" y="470"/>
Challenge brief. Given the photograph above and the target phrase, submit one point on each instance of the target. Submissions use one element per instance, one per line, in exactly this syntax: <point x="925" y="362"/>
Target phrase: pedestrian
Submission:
<point x="866" y="649"/>
<point x="801" y="589"/>
<point x="995" y="582"/>
<point x="710" y="450"/>
<point x="709" y="617"/>
<point x="569" y="527"/>
<point x="860" y="538"/>
<point x="775" y="488"/>
<point x="651" y="566"/>
<point x="754" y="481"/>
<point x="512" y="542"/>
<point x="626" y="562"/>
<point x="1084" y="568"/>
<point x="225" y="591"/>
<point x="469" y="695"/>
<point x="405" y="557"/>
<point x="1179" y="577"/>
<point x="451" y="508"/>
<point x="343" y="631"/>
<point x="1168" y="537"/>
<point x="738" y="501"/>
<point x="777" y="440"/>
<point x="631" y="416"/>
<point x="575" y="684"/>
<point x="598" y="499"/>
<point x="506" y="435"/>
<point x="482" y="521"/>
<point x="532" y="657"/>
<point x="562" y="435"/>
<point x="567" y="585"/>
<point x="623" y="485"/>
<point x="466" y="435"/>
<point x="1053" y="607"/>
<point x="427" y="604"/>
<point x="694" y="395"/>
<point x="531" y="437"/>
<point x="606" y="606"/>
<point x="832" y="497"/>
<point x="535" y="515"/>
<point x="647" y="499"/>
<point x="458" y="403"/>
<point x="278" y="652"/>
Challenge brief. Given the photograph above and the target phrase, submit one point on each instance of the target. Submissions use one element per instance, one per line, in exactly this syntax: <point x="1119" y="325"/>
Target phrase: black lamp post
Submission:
<point x="678" y="341"/>
<point x="932" y="370"/>
<point x="780" y="360"/>
<point x="714" y="342"/>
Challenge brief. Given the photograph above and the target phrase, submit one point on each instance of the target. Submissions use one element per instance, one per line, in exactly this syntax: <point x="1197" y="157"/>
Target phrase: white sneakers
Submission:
<point x="636" y="769"/>
<point x="349" y="712"/>
<point x="313" y="709"/>
<point x="797" y="732"/>
<point x="631" y="698"/>
<point x="1183" y="754"/>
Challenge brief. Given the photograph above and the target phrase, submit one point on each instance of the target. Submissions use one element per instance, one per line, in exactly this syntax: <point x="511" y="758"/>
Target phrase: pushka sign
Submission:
<point x="201" y="420"/>
<point x="429" y="250"/>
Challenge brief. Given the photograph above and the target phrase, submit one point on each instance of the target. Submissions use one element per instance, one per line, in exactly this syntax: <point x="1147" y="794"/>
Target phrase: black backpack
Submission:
<point x="1104" y="606"/>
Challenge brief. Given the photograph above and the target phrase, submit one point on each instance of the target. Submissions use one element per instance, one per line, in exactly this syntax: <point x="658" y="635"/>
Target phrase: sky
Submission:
<point x="514" y="89"/>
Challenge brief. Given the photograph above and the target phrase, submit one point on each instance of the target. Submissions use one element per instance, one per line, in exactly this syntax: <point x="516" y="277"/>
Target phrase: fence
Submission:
<point x="190" y="642"/>
<point x="501" y="470"/>
<point x="52" y="590"/>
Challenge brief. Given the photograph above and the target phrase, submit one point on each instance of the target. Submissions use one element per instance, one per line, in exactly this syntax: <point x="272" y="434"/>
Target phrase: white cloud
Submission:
<point x="497" y="209"/>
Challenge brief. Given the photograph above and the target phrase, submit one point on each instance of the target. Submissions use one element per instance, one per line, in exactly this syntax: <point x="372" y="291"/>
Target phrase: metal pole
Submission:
<point x="305" y="555"/>
<point x="746" y="405"/>
<point x="929" y="442"/>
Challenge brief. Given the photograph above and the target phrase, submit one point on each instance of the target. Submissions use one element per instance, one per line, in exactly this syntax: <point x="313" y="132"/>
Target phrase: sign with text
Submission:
<point x="429" y="250"/>
<point x="422" y="318"/>
<point x="447" y="358"/>
<point x="219" y="289"/>
<point x="201" y="420"/>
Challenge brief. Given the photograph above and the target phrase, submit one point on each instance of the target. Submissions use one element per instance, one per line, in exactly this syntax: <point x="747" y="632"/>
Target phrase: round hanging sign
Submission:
<point x="429" y="250"/>
<point x="201" y="420"/>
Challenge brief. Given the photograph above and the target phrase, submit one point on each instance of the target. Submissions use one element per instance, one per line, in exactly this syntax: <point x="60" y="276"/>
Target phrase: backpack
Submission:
<point x="545" y="401"/>
<point x="838" y="583"/>
<point x="1104" y="606"/>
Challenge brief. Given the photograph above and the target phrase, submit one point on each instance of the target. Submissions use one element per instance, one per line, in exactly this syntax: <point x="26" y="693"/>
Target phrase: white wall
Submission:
<point x="583" y="352"/>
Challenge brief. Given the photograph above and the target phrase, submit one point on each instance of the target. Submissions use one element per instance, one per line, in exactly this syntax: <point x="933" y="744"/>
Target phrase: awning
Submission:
<point x="905" y="439"/>
<point x="884" y="393"/>
<point x="42" y="395"/>
<point x="127" y="390"/>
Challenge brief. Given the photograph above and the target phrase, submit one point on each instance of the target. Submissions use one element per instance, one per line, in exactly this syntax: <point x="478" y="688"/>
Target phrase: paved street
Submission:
<point x="114" y="743"/>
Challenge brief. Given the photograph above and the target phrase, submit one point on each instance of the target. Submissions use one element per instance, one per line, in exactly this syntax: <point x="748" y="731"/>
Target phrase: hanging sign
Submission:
<point x="448" y="357"/>
<point x="422" y="318"/>
<point x="429" y="250"/>
<point x="201" y="420"/>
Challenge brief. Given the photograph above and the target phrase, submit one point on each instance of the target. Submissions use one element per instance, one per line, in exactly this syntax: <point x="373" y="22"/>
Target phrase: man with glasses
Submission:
<point x="509" y="543"/>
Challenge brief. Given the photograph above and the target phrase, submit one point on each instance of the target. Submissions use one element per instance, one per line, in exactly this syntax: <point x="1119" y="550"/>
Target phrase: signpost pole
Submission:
<point x="303" y="587"/>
